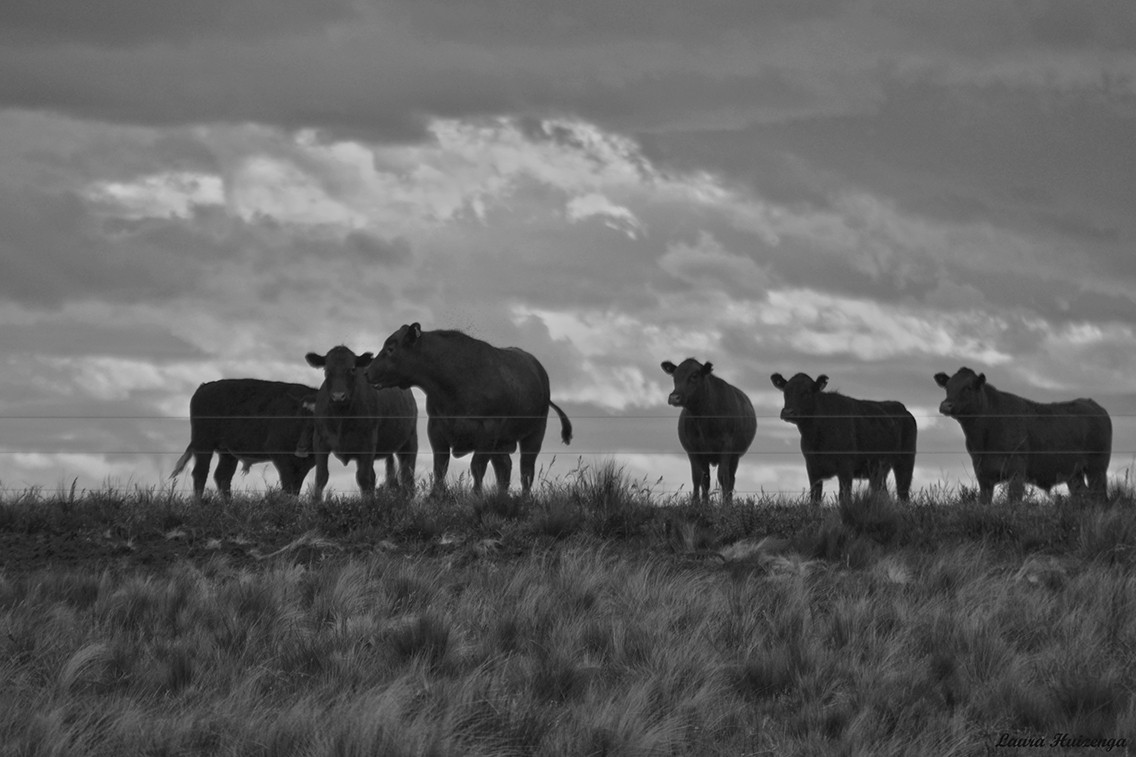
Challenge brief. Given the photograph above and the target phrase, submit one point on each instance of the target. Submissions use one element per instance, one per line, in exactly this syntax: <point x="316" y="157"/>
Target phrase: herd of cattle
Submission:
<point x="487" y="401"/>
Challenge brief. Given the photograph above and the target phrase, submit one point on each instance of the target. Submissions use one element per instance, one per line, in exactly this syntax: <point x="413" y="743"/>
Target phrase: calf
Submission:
<point x="248" y="421"/>
<point x="356" y="422"/>
<point x="716" y="426"/>
<point x="1010" y="438"/>
<point x="849" y="438"/>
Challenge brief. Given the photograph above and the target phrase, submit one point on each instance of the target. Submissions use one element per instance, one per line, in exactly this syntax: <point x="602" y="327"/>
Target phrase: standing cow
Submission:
<point x="716" y="426"/>
<point x="248" y="421"/>
<point x="356" y="422"/>
<point x="479" y="398"/>
<point x="849" y="438"/>
<point x="1010" y="438"/>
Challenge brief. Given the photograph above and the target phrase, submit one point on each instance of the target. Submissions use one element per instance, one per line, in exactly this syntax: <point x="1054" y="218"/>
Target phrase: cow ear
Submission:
<point x="362" y="361"/>
<point x="413" y="332"/>
<point x="820" y="383"/>
<point x="941" y="379"/>
<point x="980" y="381"/>
<point x="669" y="368"/>
<point x="778" y="380"/>
<point x="316" y="360"/>
<point x="707" y="368"/>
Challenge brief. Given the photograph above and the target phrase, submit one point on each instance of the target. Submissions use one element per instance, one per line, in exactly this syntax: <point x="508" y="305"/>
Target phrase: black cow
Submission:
<point x="249" y="421"/>
<point x="357" y="422"/>
<point x="480" y="399"/>
<point x="849" y="438"/>
<point x="716" y="426"/>
<point x="1010" y="438"/>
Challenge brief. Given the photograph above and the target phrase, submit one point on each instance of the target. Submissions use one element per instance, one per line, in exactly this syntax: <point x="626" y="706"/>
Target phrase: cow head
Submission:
<point x="689" y="378"/>
<point x="389" y="367"/>
<point x="964" y="392"/>
<point x="800" y="395"/>
<point x="339" y="372"/>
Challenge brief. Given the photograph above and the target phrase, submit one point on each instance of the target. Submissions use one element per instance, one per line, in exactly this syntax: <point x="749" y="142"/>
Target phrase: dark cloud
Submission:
<point x="53" y="249"/>
<point x="115" y="23"/>
<point x="593" y="22"/>
<point x="71" y="338"/>
<point x="367" y="248"/>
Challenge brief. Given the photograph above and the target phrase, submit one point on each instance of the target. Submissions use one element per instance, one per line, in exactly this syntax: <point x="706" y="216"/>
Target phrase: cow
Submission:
<point x="849" y="438"/>
<point x="248" y="421"/>
<point x="479" y="398"/>
<point x="716" y="426"/>
<point x="356" y="422"/>
<point x="1016" y="440"/>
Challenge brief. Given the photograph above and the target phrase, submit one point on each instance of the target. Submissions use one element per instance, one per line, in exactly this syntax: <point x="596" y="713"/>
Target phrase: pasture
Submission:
<point x="592" y="618"/>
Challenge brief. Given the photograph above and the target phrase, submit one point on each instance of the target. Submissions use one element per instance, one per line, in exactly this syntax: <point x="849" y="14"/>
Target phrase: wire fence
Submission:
<point x="778" y="450"/>
<point x="673" y="417"/>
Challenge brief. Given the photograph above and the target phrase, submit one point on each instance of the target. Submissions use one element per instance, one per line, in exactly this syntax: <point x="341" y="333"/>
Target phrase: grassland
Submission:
<point x="591" y="619"/>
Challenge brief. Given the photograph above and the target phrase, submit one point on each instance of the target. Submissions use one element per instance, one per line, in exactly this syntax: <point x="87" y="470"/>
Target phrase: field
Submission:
<point x="591" y="619"/>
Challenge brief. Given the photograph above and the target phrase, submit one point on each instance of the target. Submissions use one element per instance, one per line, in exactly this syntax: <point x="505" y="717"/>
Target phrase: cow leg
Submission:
<point x="727" y="474"/>
<point x="201" y="463"/>
<point x="530" y="448"/>
<point x="1098" y="481"/>
<point x="407" y="458"/>
<point x="1015" y="489"/>
<point x="1076" y="484"/>
<point x="904" y="469"/>
<point x="288" y="474"/>
<point x="321" y="476"/>
<point x="845" y="479"/>
<point x="877" y="481"/>
<point x="816" y="490"/>
<point x="391" y="481"/>
<point x="503" y="470"/>
<point x="223" y="476"/>
<point x="985" y="491"/>
<point x="365" y="475"/>
<point x="477" y="468"/>
<point x="440" y="443"/>
<point x="700" y="478"/>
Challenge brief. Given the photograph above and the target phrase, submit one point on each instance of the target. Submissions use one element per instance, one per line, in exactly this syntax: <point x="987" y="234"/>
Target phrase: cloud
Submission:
<point x="875" y="191"/>
<point x="706" y="264"/>
<point x="612" y="216"/>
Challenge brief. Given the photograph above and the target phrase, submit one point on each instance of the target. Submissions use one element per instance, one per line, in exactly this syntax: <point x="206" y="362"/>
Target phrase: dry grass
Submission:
<point x="587" y="620"/>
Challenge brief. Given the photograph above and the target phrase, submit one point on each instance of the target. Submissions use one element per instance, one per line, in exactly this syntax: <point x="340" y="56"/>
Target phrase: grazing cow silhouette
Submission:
<point x="479" y="398"/>
<point x="716" y="426"/>
<point x="1016" y="440"/>
<point x="250" y="421"/>
<point x="357" y="422"/>
<point x="849" y="438"/>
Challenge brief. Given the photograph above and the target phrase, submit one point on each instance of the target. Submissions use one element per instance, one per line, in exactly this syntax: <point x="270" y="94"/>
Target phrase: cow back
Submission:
<point x="249" y="417"/>
<point x="854" y="426"/>
<point x="1055" y="438"/>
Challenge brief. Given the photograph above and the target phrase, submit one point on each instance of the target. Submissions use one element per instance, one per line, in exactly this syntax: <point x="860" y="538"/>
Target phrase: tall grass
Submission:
<point x="585" y="620"/>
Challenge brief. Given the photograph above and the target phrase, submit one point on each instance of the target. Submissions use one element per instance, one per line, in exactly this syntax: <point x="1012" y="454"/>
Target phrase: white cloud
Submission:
<point x="613" y="216"/>
<point x="706" y="264"/>
<point x="162" y="195"/>
<point x="823" y="324"/>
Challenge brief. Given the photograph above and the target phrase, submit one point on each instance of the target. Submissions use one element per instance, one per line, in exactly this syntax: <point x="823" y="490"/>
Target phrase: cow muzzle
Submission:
<point x="790" y="416"/>
<point x="339" y="397"/>
<point x="675" y="399"/>
<point x="946" y="408"/>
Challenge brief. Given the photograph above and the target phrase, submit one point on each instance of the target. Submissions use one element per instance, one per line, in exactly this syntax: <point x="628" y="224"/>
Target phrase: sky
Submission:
<point x="875" y="191"/>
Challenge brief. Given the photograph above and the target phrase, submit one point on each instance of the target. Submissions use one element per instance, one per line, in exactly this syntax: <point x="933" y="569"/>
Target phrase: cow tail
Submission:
<point x="565" y="424"/>
<point x="182" y="461"/>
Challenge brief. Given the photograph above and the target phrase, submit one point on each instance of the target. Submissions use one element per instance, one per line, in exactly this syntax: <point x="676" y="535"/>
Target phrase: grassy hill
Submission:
<point x="589" y="619"/>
